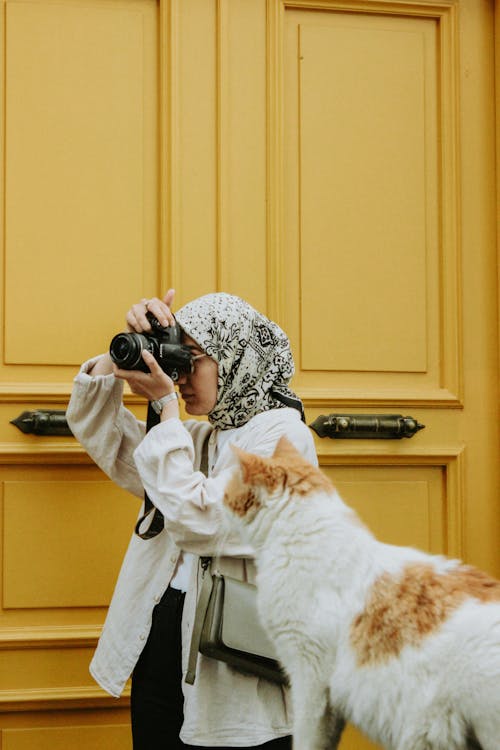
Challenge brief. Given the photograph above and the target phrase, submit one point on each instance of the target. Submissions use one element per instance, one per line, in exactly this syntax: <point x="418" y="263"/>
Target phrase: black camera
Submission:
<point x="164" y="344"/>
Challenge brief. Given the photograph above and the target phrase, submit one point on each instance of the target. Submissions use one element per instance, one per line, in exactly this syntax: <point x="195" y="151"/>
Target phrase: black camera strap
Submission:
<point x="156" y="520"/>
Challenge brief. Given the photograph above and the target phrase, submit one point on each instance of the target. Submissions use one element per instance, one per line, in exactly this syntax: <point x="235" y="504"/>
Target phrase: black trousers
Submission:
<point x="157" y="700"/>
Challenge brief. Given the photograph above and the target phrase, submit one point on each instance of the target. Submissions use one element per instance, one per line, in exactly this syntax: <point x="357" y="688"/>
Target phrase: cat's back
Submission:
<point x="424" y="597"/>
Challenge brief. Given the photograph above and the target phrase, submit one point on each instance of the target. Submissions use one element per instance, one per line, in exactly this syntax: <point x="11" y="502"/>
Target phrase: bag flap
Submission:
<point x="241" y="626"/>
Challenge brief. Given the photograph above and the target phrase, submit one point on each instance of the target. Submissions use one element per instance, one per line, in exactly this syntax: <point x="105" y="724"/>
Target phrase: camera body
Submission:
<point x="164" y="344"/>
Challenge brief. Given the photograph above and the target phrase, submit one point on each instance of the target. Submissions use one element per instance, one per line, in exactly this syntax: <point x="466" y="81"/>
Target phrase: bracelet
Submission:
<point x="159" y="403"/>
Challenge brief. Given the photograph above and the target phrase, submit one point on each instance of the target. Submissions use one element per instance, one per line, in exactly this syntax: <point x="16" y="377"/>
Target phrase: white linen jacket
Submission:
<point x="223" y="707"/>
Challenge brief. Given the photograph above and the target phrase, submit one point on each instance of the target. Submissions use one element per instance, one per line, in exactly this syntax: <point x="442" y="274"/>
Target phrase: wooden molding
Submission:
<point x="449" y="458"/>
<point x="45" y="452"/>
<point x="43" y="699"/>
<point x="46" y="393"/>
<point x="55" y="636"/>
<point x="427" y="8"/>
<point x="336" y="397"/>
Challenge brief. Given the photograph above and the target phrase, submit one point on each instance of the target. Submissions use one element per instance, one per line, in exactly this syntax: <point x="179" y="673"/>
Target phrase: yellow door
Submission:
<point x="387" y="260"/>
<point x="331" y="161"/>
<point x="80" y="238"/>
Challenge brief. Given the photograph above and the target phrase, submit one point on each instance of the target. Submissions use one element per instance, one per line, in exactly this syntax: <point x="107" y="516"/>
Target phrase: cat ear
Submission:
<point x="285" y="449"/>
<point x="302" y="477"/>
<point x="247" y="461"/>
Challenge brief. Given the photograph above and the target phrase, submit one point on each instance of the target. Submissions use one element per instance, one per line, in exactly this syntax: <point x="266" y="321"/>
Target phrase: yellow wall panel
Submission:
<point x="81" y="186"/>
<point x="45" y="670"/>
<point x="217" y="138"/>
<point x="193" y="150"/>
<point x="69" y="564"/>
<point x="369" y="129"/>
<point x="400" y="506"/>
<point x="363" y="197"/>
<point x="112" y="737"/>
<point x="242" y="221"/>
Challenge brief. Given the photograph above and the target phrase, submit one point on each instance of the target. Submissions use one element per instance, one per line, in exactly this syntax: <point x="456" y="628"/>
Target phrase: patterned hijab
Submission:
<point x="253" y="355"/>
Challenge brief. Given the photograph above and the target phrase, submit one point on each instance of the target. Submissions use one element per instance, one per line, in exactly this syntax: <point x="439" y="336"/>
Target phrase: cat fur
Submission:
<point x="404" y="645"/>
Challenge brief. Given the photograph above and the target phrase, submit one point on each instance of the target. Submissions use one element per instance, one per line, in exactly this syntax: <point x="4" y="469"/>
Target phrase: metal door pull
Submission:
<point x="337" y="426"/>
<point x="43" y="422"/>
<point x="358" y="426"/>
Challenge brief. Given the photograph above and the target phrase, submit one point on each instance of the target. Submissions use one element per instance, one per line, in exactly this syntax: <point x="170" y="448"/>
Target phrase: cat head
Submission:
<point x="258" y="481"/>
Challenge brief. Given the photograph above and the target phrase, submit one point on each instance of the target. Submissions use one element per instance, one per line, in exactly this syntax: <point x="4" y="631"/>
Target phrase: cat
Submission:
<point x="403" y="644"/>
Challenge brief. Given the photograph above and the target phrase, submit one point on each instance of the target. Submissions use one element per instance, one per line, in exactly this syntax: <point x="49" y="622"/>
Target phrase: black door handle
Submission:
<point x="43" y="422"/>
<point x="359" y="426"/>
<point x="336" y="426"/>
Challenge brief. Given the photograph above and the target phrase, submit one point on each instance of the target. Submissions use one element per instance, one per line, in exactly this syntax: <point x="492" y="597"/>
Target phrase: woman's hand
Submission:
<point x="152" y="385"/>
<point x="160" y="308"/>
<point x="141" y="383"/>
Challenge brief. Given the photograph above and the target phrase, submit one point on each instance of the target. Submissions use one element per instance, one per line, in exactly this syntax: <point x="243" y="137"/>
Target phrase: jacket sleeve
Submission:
<point x="106" y="429"/>
<point x="192" y="503"/>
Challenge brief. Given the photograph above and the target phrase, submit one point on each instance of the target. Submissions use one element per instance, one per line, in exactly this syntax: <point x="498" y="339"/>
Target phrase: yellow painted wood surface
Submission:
<point x="332" y="162"/>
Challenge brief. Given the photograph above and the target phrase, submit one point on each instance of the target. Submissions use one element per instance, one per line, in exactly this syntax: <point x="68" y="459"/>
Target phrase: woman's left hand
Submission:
<point x="152" y="385"/>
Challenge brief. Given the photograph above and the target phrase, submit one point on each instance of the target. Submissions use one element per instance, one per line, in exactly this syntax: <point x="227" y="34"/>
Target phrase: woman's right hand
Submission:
<point x="160" y="308"/>
<point x="138" y="322"/>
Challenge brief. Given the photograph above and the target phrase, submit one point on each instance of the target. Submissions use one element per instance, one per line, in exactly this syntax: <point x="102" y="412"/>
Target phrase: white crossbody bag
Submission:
<point x="227" y="627"/>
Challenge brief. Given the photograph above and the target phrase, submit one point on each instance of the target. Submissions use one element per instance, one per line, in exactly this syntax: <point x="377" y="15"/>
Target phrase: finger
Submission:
<point x="158" y="378"/>
<point x="156" y="307"/>
<point x="133" y="324"/>
<point x="152" y="364"/>
<point x="136" y="317"/>
<point x="161" y="311"/>
<point x="129" y="375"/>
<point x="118" y="373"/>
<point x="168" y="299"/>
<point x="141" y="311"/>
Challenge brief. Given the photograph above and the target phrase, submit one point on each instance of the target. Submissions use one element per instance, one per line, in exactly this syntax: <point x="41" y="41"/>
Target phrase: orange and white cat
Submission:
<point x="402" y="644"/>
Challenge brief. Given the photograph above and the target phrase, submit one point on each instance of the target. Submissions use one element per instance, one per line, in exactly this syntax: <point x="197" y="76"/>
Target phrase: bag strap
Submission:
<point x="204" y="457"/>
<point x="201" y="610"/>
<point x="204" y="597"/>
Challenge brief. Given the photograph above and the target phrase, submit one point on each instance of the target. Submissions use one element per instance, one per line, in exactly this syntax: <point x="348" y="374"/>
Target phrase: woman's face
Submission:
<point x="199" y="388"/>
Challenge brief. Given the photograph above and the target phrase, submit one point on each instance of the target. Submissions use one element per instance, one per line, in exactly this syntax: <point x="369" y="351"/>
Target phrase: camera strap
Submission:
<point x="155" y="517"/>
<point x="151" y="513"/>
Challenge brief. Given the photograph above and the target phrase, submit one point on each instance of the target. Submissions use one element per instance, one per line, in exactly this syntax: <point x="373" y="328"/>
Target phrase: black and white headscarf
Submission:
<point x="252" y="353"/>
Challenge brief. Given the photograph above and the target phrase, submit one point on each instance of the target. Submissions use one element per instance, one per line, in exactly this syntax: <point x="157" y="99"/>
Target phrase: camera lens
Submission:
<point x="121" y="350"/>
<point x="126" y="350"/>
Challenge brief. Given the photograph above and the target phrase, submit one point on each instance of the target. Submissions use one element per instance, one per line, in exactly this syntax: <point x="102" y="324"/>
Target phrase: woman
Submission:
<point x="242" y="364"/>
